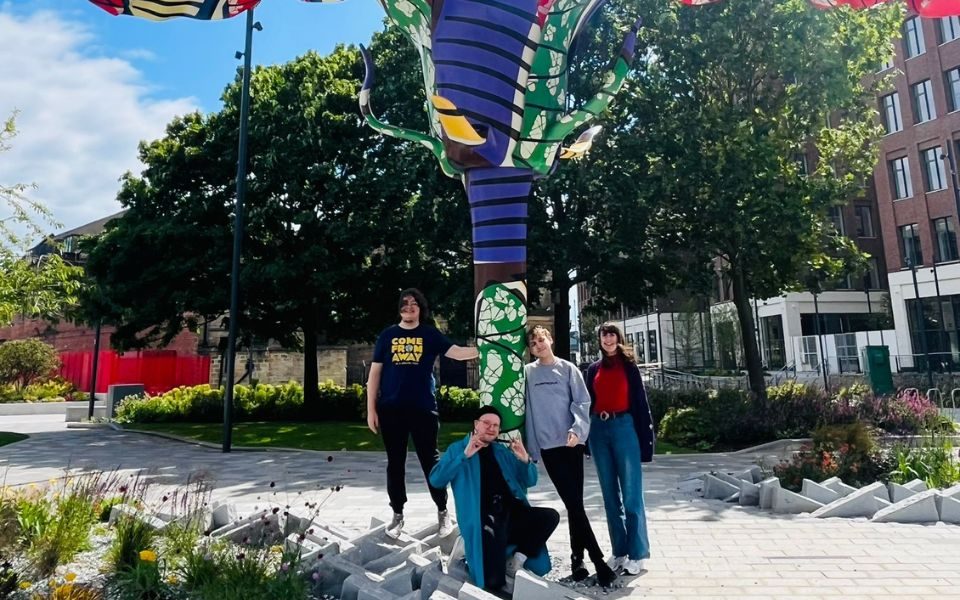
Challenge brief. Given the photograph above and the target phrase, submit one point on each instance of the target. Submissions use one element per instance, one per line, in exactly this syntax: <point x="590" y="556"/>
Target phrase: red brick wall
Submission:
<point x="67" y="337"/>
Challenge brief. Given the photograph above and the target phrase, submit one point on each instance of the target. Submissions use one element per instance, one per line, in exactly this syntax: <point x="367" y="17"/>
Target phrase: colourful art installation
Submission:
<point x="161" y="10"/>
<point x="495" y="74"/>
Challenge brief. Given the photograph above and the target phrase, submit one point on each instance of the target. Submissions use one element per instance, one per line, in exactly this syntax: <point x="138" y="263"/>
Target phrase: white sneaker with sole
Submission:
<point x="395" y="527"/>
<point x="616" y="563"/>
<point x="634" y="567"/>
<point x="446" y="525"/>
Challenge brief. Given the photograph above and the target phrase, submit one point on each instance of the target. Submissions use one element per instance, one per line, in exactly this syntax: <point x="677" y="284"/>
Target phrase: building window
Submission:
<point x="886" y="64"/>
<point x="847" y="352"/>
<point x="934" y="175"/>
<point x="910" y="247"/>
<point x="808" y="354"/>
<point x="946" y="239"/>
<point x="952" y="81"/>
<point x="923" y="108"/>
<point x="652" y="338"/>
<point x="892" y="121"/>
<point x="949" y="29"/>
<point x="913" y="35"/>
<point x="900" y="175"/>
<point x="872" y="277"/>
<point x="836" y="217"/>
<point x="864" y="218"/>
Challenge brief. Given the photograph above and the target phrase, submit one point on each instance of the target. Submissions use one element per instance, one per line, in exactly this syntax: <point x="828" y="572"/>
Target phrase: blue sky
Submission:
<point x="88" y="86"/>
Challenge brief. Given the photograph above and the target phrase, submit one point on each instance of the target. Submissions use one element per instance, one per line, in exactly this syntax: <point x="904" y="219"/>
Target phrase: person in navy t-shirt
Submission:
<point x="401" y="400"/>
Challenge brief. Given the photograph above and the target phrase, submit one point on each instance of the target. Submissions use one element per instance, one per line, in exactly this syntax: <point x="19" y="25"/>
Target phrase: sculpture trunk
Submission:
<point x="498" y="212"/>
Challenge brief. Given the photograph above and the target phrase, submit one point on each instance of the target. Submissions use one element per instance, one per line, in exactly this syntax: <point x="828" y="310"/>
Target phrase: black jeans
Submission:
<point x="565" y="468"/>
<point x="517" y="524"/>
<point x="397" y="426"/>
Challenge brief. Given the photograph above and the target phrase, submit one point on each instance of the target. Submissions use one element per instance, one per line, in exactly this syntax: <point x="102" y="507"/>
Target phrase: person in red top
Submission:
<point x="621" y="438"/>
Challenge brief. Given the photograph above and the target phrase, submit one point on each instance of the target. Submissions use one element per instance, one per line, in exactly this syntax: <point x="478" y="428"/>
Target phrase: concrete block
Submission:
<point x="715" y="488"/>
<point x="952" y="492"/>
<point x="471" y="592"/>
<point x="749" y="493"/>
<point x="899" y="492"/>
<point x="919" y="508"/>
<point x="948" y="508"/>
<point x="861" y="503"/>
<point x="420" y="564"/>
<point x="917" y="485"/>
<point x="792" y="503"/>
<point x="119" y="511"/>
<point x="767" y="488"/>
<point x="375" y="593"/>
<point x="839" y="486"/>
<point x="223" y="513"/>
<point x="334" y="571"/>
<point x="528" y="586"/>
<point x="753" y="474"/>
<point x="394" y="559"/>
<point x="820" y="493"/>
<point x="731" y="479"/>
<point x="399" y="581"/>
<point x="734" y="497"/>
<point x="435" y="580"/>
<point x="350" y="590"/>
<point x="880" y="491"/>
<point x="439" y="595"/>
<point x="691" y="486"/>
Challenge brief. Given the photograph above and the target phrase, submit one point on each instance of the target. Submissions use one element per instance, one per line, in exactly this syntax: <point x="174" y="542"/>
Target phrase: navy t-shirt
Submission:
<point x="408" y="356"/>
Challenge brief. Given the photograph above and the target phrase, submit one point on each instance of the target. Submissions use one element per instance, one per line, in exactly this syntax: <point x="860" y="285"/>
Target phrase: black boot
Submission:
<point x="605" y="575"/>
<point x="579" y="572"/>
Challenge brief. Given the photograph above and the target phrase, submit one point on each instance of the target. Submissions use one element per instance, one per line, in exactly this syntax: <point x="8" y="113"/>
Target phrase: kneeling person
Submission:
<point x="490" y="484"/>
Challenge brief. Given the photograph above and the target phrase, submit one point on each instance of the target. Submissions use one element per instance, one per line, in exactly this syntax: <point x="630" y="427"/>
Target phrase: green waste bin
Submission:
<point x="878" y="369"/>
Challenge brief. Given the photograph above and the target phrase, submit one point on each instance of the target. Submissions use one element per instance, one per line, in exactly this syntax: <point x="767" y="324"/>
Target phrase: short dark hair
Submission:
<point x="421" y="302"/>
<point x="488" y="410"/>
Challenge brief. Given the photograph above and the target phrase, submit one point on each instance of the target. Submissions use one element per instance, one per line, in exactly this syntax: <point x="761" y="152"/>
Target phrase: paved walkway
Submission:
<point x="701" y="549"/>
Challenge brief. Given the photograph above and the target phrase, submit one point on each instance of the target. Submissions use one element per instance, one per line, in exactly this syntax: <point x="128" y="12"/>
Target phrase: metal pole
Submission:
<point x="943" y="326"/>
<point x="756" y="327"/>
<point x="866" y="290"/>
<point x="238" y="236"/>
<point x="823" y="356"/>
<point x="93" y="374"/>
<point x="920" y="329"/>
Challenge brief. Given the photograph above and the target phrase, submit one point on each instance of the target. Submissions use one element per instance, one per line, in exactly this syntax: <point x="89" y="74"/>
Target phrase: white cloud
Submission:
<point x="81" y="117"/>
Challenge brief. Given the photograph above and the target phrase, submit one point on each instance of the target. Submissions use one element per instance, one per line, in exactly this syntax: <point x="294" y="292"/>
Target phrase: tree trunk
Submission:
<point x="751" y="352"/>
<point x="561" y="316"/>
<point x="311" y="378"/>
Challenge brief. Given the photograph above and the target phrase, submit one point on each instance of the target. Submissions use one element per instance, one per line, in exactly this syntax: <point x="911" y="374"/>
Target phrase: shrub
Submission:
<point x="24" y="361"/>
<point x="849" y="452"/>
<point x="457" y="404"/>
<point x="142" y="580"/>
<point x="133" y="536"/>
<point x="933" y="462"/>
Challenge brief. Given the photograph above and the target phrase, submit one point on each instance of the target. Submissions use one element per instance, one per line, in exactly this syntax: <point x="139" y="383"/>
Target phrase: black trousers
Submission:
<point x="516" y="524"/>
<point x="397" y="427"/>
<point x="565" y="468"/>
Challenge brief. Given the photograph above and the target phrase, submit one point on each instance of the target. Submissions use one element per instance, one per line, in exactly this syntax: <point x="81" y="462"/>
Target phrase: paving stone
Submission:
<point x="839" y="486"/>
<point x="767" y="488"/>
<point x="787" y="502"/>
<point x="820" y="493"/>
<point x="715" y="488"/>
<point x="861" y="503"/>
<point x="948" y="509"/>
<point x="749" y="493"/>
<point x="919" y="508"/>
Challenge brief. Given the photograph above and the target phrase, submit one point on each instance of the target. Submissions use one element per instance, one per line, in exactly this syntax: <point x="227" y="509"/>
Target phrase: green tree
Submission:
<point x="728" y="97"/>
<point x="41" y="287"/>
<point x="24" y="361"/>
<point x="335" y="215"/>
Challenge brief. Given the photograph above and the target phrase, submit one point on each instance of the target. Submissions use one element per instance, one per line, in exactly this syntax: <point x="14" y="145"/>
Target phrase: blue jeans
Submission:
<point x="616" y="452"/>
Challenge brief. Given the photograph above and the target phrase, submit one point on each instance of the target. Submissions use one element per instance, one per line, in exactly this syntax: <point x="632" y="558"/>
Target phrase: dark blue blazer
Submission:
<point x="639" y="407"/>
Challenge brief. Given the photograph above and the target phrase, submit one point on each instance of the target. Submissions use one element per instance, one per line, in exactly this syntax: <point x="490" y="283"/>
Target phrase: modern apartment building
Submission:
<point x="917" y="190"/>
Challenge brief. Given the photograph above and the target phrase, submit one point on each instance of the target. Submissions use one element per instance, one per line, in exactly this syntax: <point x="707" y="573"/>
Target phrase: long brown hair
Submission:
<point x="624" y="354"/>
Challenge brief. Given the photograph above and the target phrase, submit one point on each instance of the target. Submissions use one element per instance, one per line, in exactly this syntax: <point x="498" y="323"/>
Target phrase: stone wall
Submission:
<point x="280" y="366"/>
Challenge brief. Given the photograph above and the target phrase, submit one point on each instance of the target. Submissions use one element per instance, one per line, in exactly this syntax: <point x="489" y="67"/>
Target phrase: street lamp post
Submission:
<point x="816" y="328"/>
<point x="921" y="333"/>
<point x="238" y="233"/>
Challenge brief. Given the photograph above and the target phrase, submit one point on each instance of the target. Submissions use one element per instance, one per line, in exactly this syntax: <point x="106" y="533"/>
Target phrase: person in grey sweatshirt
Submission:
<point x="557" y="426"/>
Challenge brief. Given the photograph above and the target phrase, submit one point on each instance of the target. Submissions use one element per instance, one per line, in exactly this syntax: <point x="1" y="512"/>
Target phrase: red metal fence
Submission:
<point x="158" y="370"/>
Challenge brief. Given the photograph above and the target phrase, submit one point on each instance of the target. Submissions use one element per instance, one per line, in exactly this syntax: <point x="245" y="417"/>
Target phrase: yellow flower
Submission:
<point x="172" y="579"/>
<point x="25" y="584"/>
<point x="148" y="556"/>
<point x="70" y="577"/>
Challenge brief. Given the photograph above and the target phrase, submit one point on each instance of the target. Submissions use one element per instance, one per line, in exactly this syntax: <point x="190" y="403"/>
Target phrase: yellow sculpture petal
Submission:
<point x="455" y="125"/>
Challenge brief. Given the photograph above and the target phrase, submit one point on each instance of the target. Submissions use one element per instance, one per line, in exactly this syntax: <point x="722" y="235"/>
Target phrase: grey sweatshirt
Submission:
<point x="557" y="404"/>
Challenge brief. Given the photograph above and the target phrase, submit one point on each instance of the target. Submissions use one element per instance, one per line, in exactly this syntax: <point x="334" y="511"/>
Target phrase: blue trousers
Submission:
<point x="616" y="453"/>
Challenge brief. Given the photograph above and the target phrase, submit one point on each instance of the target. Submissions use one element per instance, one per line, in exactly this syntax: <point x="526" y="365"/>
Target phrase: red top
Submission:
<point x="610" y="388"/>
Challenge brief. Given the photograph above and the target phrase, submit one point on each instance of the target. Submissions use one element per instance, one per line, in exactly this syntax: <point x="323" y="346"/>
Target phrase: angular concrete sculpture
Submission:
<point x="715" y="488"/>
<point x="919" y="508"/>
<point x="838" y="486"/>
<point x="792" y="503"/>
<point x="767" y="488"/>
<point x="948" y="509"/>
<point x="861" y="503"/>
<point x="815" y="491"/>
<point x="749" y="493"/>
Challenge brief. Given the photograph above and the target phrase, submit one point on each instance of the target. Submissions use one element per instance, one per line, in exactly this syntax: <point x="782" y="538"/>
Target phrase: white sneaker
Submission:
<point x="515" y="563"/>
<point x="616" y="563"/>
<point x="395" y="527"/>
<point x="446" y="525"/>
<point x="634" y="567"/>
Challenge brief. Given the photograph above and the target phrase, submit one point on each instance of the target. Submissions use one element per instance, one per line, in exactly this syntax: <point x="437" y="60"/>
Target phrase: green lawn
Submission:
<point x="8" y="438"/>
<point x="334" y="435"/>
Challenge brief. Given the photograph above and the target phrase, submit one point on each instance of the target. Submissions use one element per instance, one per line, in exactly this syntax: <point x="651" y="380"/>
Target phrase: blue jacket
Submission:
<point x="639" y="407"/>
<point x="463" y="474"/>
